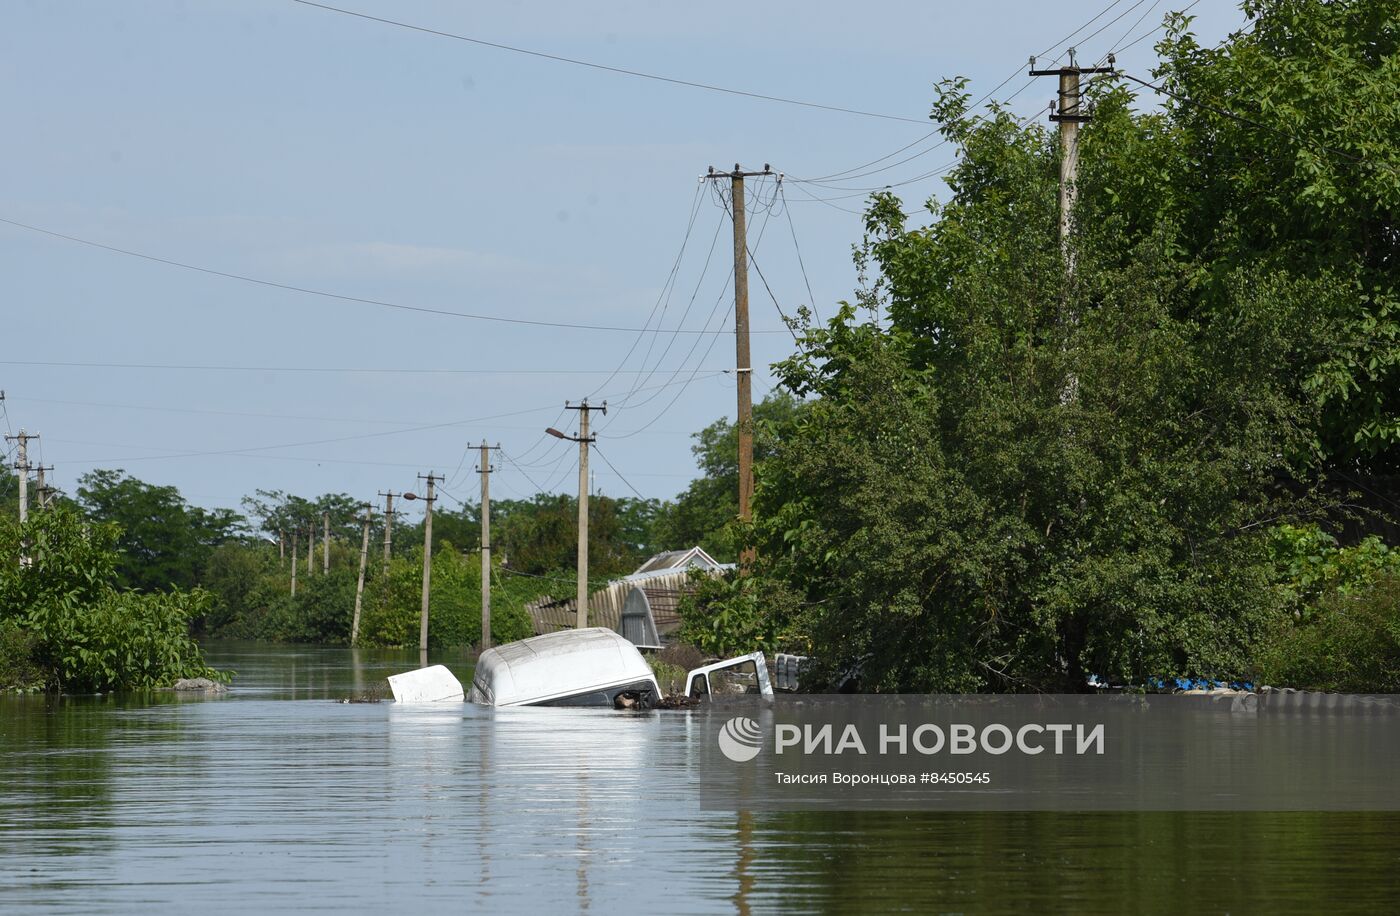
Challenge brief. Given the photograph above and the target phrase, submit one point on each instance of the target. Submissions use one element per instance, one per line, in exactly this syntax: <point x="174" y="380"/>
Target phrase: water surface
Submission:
<point x="277" y="798"/>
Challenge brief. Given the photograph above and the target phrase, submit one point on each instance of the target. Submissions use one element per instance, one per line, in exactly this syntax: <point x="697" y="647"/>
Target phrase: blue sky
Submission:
<point x="303" y="147"/>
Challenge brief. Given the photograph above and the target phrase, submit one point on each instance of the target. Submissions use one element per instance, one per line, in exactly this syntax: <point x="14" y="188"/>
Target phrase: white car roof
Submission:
<point x="557" y="665"/>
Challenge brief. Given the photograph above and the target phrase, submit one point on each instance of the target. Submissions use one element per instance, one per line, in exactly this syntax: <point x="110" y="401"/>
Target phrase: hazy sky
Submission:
<point x="308" y="148"/>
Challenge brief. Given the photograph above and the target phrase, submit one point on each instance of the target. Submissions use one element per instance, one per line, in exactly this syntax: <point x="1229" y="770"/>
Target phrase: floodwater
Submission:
<point x="276" y="798"/>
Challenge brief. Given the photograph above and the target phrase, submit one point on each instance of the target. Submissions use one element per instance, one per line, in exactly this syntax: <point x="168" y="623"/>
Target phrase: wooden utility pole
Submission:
<point x="294" y="562"/>
<point x="360" y="584"/>
<point x="431" y="478"/>
<point x="22" y="466"/>
<point x="582" y="439"/>
<point x="1069" y="113"/>
<point x="743" y="367"/>
<point x="388" y="521"/>
<point x="486" y="545"/>
<point x="325" y="543"/>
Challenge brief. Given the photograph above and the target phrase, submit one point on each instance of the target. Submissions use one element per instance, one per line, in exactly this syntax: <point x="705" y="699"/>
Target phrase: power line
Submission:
<point x="605" y="67"/>
<point x="754" y="261"/>
<point x="861" y="192"/>
<point x="107" y="405"/>
<point x="1243" y="119"/>
<point x="665" y="295"/>
<point x="811" y="298"/>
<point x="538" y="488"/>
<point x="313" y="369"/>
<point x="645" y="375"/>
<point x="306" y="290"/>
<point x="394" y="432"/>
<point x="847" y="173"/>
<point x="600" y="454"/>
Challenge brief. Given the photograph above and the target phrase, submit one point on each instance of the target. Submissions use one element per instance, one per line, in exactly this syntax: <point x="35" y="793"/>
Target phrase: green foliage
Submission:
<point x="393" y="606"/>
<point x="670" y="678"/>
<point x="1311" y="564"/>
<point x="280" y="514"/>
<point x="78" y="630"/>
<point x="162" y="541"/>
<point x="540" y="535"/>
<point x="18" y="648"/>
<point x="705" y="513"/>
<point x="733" y="614"/>
<point x="234" y="574"/>
<point x="1277" y="153"/>
<point x="1350" y="643"/>
<point x="255" y="601"/>
<point x="1009" y="479"/>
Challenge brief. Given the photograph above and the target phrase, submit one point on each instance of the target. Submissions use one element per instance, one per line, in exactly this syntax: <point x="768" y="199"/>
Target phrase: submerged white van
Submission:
<point x="591" y="667"/>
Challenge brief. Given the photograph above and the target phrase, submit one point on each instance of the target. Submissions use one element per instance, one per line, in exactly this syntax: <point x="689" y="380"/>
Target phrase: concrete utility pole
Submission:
<point x="388" y="520"/>
<point x="22" y="466"/>
<point x="486" y="545"/>
<point x="310" y="546"/>
<point x="743" y="367"/>
<point x="325" y="543"/>
<point x="582" y="439"/>
<point x="44" y="489"/>
<point x="1070" y="114"/>
<point x="294" y="562"/>
<point x="431" y="478"/>
<point x="360" y="584"/>
<point x="281" y="546"/>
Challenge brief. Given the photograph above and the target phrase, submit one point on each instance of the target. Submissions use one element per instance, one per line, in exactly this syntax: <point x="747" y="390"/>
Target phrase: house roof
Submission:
<point x="694" y="558"/>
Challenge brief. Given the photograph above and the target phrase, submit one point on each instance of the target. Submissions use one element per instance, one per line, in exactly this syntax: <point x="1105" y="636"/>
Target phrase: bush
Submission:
<point x="67" y="627"/>
<point x="18" y="670"/>
<point x="393" y="606"/>
<point x="1350" y="642"/>
<point x="733" y="615"/>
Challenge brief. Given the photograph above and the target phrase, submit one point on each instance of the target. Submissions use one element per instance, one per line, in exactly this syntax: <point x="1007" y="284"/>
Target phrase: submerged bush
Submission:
<point x="1349" y="642"/>
<point x="18" y="670"/>
<point x="255" y="602"/>
<point x="64" y="624"/>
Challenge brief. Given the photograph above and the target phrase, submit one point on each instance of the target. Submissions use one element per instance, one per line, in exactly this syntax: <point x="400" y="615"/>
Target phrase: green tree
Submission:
<point x="74" y="629"/>
<point x="1276" y="152"/>
<point x="705" y="513"/>
<point x="163" y="541"/>
<point x="279" y="514"/>
<point x="540" y="535"/>
<point x="1011" y="476"/>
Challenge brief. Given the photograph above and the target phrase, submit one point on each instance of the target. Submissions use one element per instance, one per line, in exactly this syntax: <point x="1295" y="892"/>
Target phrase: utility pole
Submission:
<point x="294" y="562"/>
<point x="388" y="521"/>
<point x="1069" y="113"/>
<point x="486" y="545"/>
<point x="743" y="367"/>
<point x="310" y="546"/>
<point x="44" y="489"/>
<point x="582" y="439"/>
<point x="360" y="584"/>
<point x="22" y="466"/>
<point x="281" y="546"/>
<point x="431" y="478"/>
<point x="325" y="543"/>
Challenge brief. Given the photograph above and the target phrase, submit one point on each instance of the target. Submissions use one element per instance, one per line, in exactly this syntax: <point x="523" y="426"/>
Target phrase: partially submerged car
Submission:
<point x="592" y="667"/>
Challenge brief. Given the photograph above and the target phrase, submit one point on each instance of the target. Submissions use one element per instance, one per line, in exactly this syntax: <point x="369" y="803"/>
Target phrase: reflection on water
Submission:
<point x="275" y="798"/>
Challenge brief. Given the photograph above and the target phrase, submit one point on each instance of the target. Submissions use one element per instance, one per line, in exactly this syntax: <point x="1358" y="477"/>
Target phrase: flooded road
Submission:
<point x="275" y="798"/>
